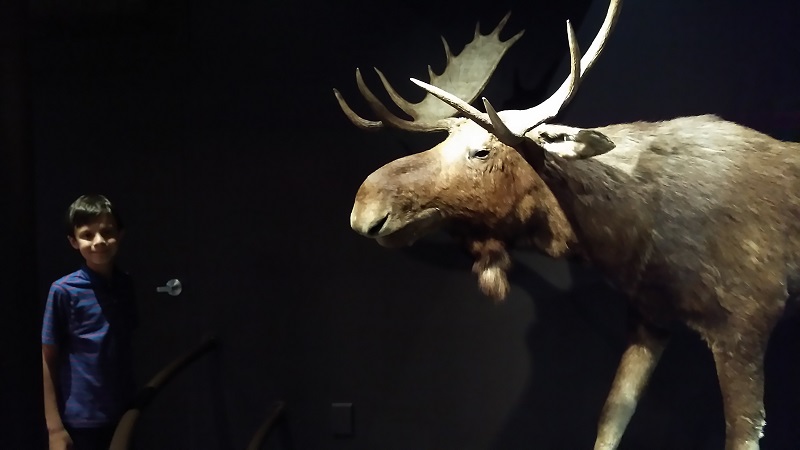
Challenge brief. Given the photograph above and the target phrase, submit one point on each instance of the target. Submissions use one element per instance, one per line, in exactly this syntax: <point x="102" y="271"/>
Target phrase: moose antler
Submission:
<point x="465" y="76"/>
<point x="514" y="124"/>
<point x="490" y="120"/>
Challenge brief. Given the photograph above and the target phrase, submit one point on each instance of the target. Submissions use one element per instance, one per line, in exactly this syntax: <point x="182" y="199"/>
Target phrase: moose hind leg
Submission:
<point x="635" y="367"/>
<point x="740" y="369"/>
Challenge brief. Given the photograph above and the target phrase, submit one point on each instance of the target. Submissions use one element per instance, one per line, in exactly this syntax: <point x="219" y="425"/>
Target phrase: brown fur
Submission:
<point x="705" y="230"/>
<point x="492" y="261"/>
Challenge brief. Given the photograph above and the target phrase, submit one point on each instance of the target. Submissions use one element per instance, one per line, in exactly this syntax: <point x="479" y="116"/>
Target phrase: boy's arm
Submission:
<point x="51" y="414"/>
<point x="52" y="330"/>
<point x="58" y="436"/>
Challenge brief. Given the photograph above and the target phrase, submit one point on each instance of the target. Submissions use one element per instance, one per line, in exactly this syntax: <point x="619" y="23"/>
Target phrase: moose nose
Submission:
<point x="368" y="222"/>
<point x="377" y="226"/>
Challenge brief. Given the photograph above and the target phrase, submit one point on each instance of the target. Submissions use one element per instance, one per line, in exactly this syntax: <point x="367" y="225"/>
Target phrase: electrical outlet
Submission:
<point x="342" y="419"/>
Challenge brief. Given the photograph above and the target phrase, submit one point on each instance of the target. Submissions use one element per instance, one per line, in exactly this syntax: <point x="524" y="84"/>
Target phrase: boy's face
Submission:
<point x="97" y="241"/>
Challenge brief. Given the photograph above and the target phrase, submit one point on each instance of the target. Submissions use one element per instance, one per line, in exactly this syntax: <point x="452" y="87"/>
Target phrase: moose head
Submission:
<point x="481" y="182"/>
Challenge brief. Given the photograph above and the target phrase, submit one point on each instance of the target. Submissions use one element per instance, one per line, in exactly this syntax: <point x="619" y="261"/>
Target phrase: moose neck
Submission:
<point x="604" y="217"/>
<point x="548" y="226"/>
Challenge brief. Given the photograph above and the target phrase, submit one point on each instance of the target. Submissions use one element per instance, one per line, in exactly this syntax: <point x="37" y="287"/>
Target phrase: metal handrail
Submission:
<point x="124" y="430"/>
<point x="266" y="428"/>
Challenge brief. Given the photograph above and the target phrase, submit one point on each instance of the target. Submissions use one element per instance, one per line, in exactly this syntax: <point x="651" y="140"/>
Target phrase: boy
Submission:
<point x="86" y="334"/>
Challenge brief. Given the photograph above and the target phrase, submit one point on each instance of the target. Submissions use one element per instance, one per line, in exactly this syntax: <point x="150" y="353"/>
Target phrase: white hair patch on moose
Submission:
<point x="565" y="149"/>
<point x="573" y="143"/>
<point x="493" y="282"/>
<point x="468" y="136"/>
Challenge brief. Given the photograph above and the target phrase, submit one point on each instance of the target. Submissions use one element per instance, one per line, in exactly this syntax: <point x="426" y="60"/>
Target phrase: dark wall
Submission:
<point x="214" y="127"/>
<point x="20" y="366"/>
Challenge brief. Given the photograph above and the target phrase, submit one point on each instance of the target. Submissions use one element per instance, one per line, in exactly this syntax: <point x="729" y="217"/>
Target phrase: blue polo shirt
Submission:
<point x="91" y="318"/>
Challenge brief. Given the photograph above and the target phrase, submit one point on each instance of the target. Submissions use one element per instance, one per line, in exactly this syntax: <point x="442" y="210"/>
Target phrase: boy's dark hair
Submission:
<point x="88" y="208"/>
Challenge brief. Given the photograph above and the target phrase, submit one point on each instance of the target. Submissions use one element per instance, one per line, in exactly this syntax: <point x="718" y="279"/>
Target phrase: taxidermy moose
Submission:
<point x="696" y="219"/>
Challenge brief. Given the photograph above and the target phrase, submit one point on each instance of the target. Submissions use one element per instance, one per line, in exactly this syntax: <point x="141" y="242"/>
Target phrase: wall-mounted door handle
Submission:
<point x="173" y="287"/>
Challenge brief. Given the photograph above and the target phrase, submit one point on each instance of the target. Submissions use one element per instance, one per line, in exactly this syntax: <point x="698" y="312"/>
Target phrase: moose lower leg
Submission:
<point x="637" y="363"/>
<point x="741" y="379"/>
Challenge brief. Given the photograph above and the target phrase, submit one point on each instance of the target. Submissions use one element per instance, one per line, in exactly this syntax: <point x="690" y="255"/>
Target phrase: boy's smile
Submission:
<point x="98" y="242"/>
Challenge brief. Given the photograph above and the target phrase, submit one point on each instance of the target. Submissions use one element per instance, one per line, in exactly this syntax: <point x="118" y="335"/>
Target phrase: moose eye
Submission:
<point x="480" y="153"/>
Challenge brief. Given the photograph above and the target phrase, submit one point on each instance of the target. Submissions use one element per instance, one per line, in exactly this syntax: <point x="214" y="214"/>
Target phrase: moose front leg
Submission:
<point x="637" y="363"/>
<point x="740" y="369"/>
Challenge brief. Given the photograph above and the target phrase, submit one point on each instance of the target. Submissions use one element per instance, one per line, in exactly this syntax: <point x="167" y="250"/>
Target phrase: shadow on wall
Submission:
<point x="575" y="342"/>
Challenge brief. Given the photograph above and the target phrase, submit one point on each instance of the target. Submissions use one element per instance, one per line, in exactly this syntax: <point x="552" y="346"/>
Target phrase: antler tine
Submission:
<point x="447" y="53"/>
<point x="502" y="132"/>
<point x="360" y="122"/>
<point x="464" y="76"/>
<point x="467" y="73"/>
<point x="387" y="117"/>
<point x="549" y="108"/>
<point x="524" y="121"/>
<point x="570" y="85"/>
<point x="465" y="108"/>
<point x="398" y="100"/>
<point x="412" y="109"/>
<point x="502" y="24"/>
<point x="599" y="42"/>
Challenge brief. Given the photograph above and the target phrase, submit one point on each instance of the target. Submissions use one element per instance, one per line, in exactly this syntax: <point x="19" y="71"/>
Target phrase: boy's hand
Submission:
<point x="60" y="440"/>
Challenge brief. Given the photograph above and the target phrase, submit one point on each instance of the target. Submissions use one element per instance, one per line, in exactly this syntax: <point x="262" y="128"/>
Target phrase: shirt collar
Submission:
<point x="96" y="277"/>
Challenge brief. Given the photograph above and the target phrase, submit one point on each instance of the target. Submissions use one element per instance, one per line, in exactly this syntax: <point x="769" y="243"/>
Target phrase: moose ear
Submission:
<point x="594" y="143"/>
<point x="573" y="143"/>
